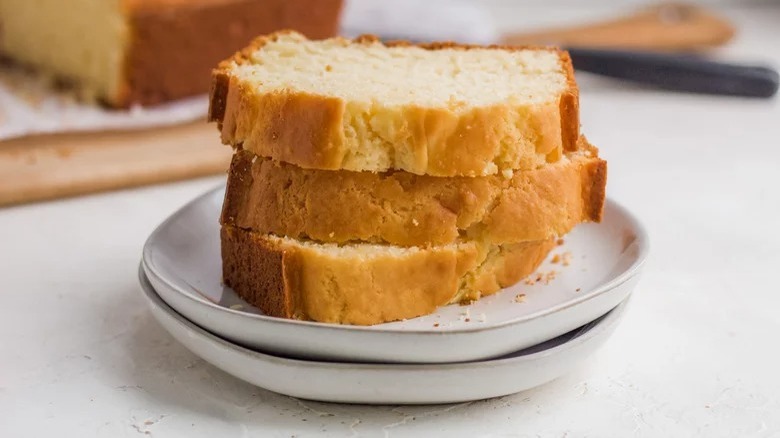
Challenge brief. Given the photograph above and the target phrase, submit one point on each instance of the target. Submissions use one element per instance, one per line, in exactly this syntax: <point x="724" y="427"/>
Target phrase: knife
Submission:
<point x="678" y="72"/>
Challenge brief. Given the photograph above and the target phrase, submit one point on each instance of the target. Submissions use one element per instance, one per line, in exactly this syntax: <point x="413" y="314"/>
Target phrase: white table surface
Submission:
<point x="697" y="355"/>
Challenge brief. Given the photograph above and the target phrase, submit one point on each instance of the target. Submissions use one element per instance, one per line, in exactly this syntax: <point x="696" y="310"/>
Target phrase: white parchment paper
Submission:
<point x="30" y="104"/>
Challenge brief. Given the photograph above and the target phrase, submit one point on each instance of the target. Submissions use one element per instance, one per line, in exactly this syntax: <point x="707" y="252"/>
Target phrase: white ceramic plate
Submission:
<point x="182" y="261"/>
<point x="390" y="383"/>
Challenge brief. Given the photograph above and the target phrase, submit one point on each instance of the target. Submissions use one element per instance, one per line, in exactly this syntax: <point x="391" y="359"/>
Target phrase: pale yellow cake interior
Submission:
<point x="360" y="252"/>
<point x="82" y="40"/>
<point x="406" y="75"/>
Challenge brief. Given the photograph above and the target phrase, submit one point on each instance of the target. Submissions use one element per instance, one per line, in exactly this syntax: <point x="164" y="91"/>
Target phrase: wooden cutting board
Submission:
<point x="53" y="166"/>
<point x="668" y="26"/>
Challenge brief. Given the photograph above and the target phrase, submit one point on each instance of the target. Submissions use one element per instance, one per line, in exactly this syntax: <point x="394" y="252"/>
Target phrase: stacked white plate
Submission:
<point x="521" y="337"/>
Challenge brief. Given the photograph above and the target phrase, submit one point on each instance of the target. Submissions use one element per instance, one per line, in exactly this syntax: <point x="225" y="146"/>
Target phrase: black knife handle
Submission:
<point x="678" y="72"/>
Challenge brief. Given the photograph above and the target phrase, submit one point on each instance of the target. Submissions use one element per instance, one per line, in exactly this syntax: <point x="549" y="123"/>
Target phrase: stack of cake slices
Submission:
<point x="375" y="182"/>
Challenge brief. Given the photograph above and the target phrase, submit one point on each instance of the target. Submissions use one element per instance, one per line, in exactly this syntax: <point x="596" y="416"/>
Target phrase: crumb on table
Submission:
<point x="566" y="258"/>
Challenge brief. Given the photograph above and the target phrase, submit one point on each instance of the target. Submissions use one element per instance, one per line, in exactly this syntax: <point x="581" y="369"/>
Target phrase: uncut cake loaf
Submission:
<point x="373" y="182"/>
<point x="126" y="52"/>
<point x="439" y="109"/>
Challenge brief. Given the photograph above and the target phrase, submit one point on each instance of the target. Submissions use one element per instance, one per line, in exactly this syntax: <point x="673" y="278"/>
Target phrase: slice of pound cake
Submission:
<point x="366" y="283"/>
<point x="401" y="208"/>
<point x="440" y="109"/>
<point x="146" y="51"/>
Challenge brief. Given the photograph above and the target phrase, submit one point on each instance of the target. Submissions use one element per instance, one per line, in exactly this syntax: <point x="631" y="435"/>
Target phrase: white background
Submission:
<point x="697" y="354"/>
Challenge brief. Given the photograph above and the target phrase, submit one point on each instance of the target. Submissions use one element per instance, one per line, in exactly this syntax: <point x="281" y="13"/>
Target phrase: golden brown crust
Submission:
<point x="220" y="85"/>
<point x="308" y="130"/>
<point x="596" y="190"/>
<point x="258" y="266"/>
<point x="291" y="280"/>
<point x="570" y="107"/>
<point x="412" y="210"/>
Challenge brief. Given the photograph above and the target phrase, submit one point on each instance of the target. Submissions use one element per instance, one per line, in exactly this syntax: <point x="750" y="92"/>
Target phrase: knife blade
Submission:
<point x="685" y="73"/>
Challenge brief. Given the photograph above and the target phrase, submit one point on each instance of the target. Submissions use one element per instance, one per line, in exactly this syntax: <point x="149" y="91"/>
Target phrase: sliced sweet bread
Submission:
<point x="411" y="210"/>
<point x="440" y="109"/>
<point x="367" y="283"/>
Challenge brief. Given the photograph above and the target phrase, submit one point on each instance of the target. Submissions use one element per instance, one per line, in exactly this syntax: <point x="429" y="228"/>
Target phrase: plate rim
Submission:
<point x="642" y="241"/>
<point x="154" y="299"/>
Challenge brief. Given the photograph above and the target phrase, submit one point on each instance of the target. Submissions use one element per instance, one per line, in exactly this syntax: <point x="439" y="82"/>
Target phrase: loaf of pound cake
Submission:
<point x="126" y="52"/>
<point x="440" y="109"/>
